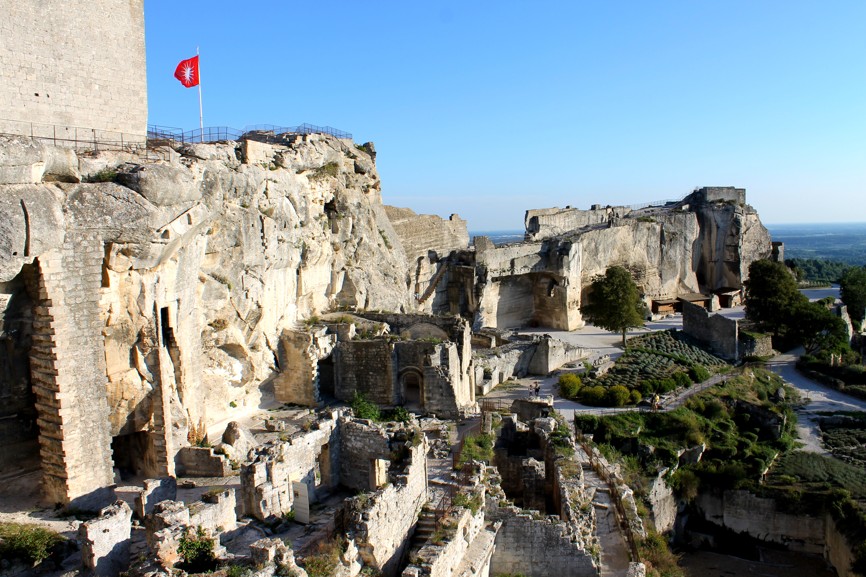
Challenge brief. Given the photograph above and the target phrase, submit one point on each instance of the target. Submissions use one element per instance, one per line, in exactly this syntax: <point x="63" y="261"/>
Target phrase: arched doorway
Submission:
<point x="412" y="382"/>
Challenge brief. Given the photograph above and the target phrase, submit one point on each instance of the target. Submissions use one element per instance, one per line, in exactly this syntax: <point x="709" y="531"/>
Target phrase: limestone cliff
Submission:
<point x="180" y="266"/>
<point x="701" y="244"/>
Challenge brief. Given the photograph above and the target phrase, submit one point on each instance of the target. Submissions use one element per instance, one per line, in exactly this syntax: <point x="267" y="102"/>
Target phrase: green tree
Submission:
<point x="853" y="289"/>
<point x="817" y="328"/>
<point x="771" y="293"/>
<point x="614" y="302"/>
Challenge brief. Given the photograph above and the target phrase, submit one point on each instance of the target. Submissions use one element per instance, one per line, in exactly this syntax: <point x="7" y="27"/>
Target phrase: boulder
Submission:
<point x="161" y="184"/>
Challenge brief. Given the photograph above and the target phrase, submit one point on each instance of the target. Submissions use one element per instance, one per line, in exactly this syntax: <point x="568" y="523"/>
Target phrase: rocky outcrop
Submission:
<point x="200" y="260"/>
<point x="700" y="244"/>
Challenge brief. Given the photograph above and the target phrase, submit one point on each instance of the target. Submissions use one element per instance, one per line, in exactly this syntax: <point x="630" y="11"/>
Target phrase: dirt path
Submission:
<point x="817" y="399"/>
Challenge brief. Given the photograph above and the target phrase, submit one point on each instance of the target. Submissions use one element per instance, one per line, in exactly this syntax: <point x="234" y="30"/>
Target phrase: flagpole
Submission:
<point x="200" y="113"/>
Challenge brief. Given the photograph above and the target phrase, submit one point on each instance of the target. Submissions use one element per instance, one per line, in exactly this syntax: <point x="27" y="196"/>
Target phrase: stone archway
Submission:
<point x="412" y="389"/>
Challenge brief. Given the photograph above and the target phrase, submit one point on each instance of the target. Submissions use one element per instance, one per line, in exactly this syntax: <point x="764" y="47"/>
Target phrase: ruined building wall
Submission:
<point x="67" y="366"/>
<point x="549" y="222"/>
<point x="311" y="457"/>
<point x="364" y="367"/>
<point x="75" y="63"/>
<point x="533" y="283"/>
<point x="720" y="333"/>
<point x="383" y="528"/>
<point x="537" y="548"/>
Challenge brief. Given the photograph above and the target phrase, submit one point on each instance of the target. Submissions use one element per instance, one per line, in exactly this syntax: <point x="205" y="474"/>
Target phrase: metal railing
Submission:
<point x="259" y="132"/>
<point x="76" y="137"/>
<point x="659" y="203"/>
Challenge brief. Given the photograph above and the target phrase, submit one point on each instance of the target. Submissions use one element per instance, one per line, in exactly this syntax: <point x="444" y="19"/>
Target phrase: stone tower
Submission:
<point x="73" y="69"/>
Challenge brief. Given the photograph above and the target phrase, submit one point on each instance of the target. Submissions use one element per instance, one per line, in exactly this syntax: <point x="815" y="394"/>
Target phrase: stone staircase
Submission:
<point x="424" y="529"/>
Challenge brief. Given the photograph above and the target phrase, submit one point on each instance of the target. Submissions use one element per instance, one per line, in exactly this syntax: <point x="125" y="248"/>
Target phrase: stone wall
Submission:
<point x="362" y="444"/>
<point x="67" y="365"/>
<point x="495" y="366"/>
<point x="465" y="552"/>
<point x="365" y="367"/>
<point x="547" y="222"/>
<point x="756" y="345"/>
<point x="552" y="353"/>
<point x="719" y="333"/>
<point x="384" y="520"/>
<point x="202" y="462"/>
<point x="537" y="548"/>
<point x="62" y="66"/>
<point x="299" y="354"/>
<point x="105" y="540"/>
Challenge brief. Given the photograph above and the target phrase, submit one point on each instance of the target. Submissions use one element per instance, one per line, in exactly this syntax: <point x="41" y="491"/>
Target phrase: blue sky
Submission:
<point x="489" y="108"/>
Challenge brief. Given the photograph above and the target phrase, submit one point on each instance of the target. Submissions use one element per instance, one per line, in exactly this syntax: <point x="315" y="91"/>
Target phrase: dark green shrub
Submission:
<point x="617" y="396"/>
<point x="28" y="542"/>
<point x="682" y="379"/>
<point x="196" y="550"/>
<point x="586" y="423"/>
<point x="363" y="408"/>
<point x="636" y="397"/>
<point x="699" y="373"/>
<point x="593" y="396"/>
<point x="685" y="484"/>
<point x="400" y="415"/>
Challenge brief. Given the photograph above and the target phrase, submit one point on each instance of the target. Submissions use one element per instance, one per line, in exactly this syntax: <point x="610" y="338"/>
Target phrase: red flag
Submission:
<point x="187" y="72"/>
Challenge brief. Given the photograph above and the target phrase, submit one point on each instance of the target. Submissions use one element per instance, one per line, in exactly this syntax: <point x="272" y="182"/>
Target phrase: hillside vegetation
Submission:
<point x="657" y="362"/>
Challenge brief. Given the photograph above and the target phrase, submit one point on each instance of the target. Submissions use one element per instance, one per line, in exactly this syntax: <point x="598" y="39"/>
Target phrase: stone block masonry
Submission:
<point x="105" y="540"/>
<point x="67" y="363"/>
<point x="76" y="63"/>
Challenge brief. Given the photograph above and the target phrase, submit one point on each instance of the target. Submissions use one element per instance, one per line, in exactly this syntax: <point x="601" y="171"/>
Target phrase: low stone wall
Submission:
<point x="202" y="462"/>
<point x="215" y="512"/>
<point x="154" y="491"/>
<point x="550" y="354"/>
<point x="538" y="548"/>
<point x="495" y="366"/>
<point x="755" y="345"/>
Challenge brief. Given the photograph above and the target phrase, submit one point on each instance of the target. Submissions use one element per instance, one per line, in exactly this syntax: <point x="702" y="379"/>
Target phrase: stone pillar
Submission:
<point x="67" y="363"/>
